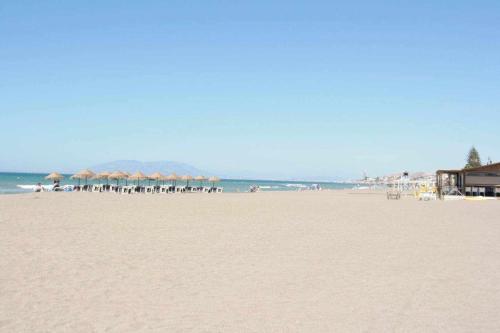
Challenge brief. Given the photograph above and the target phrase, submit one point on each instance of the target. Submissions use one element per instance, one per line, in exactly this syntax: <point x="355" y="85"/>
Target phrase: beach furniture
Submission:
<point x="468" y="190"/>
<point x="393" y="194"/>
<point x="68" y="188"/>
<point x="482" y="191"/>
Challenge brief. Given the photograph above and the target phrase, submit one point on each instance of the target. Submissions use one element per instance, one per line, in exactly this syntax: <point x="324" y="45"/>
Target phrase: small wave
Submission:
<point x="268" y="187"/>
<point x="32" y="187"/>
<point x="297" y="185"/>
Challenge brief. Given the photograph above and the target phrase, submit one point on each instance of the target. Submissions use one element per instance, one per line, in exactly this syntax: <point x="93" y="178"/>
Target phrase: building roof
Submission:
<point x="448" y="171"/>
<point x="488" y="167"/>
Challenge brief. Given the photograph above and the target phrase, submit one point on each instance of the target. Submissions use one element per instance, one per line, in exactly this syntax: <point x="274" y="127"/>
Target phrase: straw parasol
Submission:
<point x="172" y="177"/>
<point x="156" y="176"/>
<point x="118" y="175"/>
<point x="54" y="176"/>
<point x="138" y="176"/>
<point x="187" y="178"/>
<point x="103" y="175"/>
<point x="83" y="174"/>
<point x="213" y="180"/>
<point x="126" y="175"/>
<point x="201" y="179"/>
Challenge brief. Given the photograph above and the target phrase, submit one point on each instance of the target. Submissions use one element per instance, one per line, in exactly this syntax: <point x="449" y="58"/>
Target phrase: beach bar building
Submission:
<point x="481" y="181"/>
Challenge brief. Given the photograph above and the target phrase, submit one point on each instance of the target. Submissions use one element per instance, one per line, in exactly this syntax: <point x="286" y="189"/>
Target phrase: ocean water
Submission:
<point x="10" y="183"/>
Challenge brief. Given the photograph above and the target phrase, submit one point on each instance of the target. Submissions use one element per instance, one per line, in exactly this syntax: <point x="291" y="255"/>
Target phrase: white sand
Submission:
<point x="265" y="262"/>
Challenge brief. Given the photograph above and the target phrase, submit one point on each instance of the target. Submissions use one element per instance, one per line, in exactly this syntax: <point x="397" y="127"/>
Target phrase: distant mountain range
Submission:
<point x="165" y="167"/>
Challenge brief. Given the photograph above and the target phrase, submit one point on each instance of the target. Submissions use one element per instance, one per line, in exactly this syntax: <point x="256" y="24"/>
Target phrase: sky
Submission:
<point x="258" y="89"/>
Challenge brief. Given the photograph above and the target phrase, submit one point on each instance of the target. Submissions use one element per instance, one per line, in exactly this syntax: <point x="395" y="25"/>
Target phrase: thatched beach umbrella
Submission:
<point x="54" y="176"/>
<point x="138" y="176"/>
<point x="126" y="175"/>
<point x="173" y="178"/>
<point x="103" y="175"/>
<point x="156" y="176"/>
<point x="117" y="175"/>
<point x="214" y="180"/>
<point x="83" y="174"/>
<point x="201" y="179"/>
<point x="187" y="178"/>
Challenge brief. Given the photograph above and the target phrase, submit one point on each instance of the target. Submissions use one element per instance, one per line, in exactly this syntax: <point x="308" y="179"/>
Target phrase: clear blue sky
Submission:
<point x="277" y="89"/>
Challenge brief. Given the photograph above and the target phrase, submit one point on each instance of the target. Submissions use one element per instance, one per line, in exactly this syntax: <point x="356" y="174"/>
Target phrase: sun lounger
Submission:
<point x="393" y="194"/>
<point x="468" y="190"/>
<point x="482" y="191"/>
<point x="68" y="188"/>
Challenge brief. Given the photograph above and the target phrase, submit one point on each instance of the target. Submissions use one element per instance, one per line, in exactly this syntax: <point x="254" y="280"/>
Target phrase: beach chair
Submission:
<point x="68" y="188"/>
<point x="468" y="190"/>
<point x="393" y="194"/>
<point x="482" y="191"/>
<point x="475" y="191"/>
<point x="180" y="189"/>
<point x="219" y="189"/>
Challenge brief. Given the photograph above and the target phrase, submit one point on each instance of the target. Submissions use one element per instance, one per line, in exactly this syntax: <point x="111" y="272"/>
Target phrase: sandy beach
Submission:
<point x="326" y="261"/>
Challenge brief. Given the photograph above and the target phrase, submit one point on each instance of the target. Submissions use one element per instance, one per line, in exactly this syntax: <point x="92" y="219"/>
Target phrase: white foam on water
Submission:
<point x="296" y="185"/>
<point x="32" y="187"/>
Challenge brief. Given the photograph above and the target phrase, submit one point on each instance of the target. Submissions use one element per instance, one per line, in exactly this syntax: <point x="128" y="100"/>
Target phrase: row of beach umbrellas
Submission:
<point x="138" y="176"/>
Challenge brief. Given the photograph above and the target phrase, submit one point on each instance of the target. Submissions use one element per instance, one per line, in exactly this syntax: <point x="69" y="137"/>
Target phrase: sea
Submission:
<point x="12" y="183"/>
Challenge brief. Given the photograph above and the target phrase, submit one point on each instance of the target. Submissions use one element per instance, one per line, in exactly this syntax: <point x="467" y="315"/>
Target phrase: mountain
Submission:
<point x="165" y="167"/>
